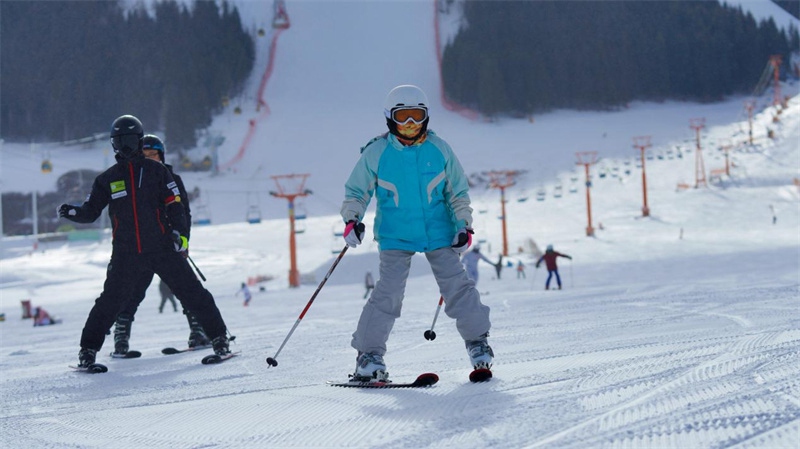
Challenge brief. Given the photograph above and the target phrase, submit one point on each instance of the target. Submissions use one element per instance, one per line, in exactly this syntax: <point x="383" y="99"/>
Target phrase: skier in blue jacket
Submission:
<point x="423" y="206"/>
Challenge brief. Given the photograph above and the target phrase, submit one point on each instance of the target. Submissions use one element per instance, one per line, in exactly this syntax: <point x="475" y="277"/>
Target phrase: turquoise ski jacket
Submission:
<point x="421" y="192"/>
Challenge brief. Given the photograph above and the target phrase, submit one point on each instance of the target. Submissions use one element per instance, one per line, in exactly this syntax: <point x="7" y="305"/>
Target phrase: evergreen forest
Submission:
<point x="69" y="68"/>
<point x="523" y="57"/>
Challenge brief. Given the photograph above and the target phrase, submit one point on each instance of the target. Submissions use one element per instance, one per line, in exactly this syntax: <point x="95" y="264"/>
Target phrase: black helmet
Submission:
<point x="151" y="142"/>
<point x="126" y="136"/>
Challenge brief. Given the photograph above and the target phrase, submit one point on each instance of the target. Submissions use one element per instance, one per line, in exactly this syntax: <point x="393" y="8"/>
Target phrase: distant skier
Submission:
<point x="520" y="270"/>
<point x="423" y="206"/>
<point x="369" y="283"/>
<point x="549" y="259"/>
<point x="470" y="260"/>
<point x="246" y="292"/>
<point x="166" y="295"/>
<point x="42" y="318"/>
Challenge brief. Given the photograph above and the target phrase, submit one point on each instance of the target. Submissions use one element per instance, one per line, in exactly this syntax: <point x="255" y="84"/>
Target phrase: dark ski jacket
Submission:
<point x="144" y="205"/>
<point x="184" y="200"/>
<point x="549" y="258"/>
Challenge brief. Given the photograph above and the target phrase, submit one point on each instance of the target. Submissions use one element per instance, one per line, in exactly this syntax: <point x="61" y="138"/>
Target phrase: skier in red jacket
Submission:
<point x="549" y="259"/>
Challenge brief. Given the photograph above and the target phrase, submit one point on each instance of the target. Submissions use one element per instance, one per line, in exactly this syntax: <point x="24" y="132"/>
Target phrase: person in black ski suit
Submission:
<point x="153" y="148"/>
<point x="148" y="234"/>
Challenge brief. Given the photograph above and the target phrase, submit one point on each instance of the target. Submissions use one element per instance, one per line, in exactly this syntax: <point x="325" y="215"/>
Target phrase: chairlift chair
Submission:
<point x="202" y="216"/>
<point x="254" y="214"/>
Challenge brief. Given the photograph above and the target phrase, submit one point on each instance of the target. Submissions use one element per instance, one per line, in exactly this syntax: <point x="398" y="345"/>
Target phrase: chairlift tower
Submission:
<point x="699" y="166"/>
<point x="643" y="143"/>
<point x="587" y="158"/>
<point x="501" y="180"/>
<point x="775" y="61"/>
<point x="291" y="187"/>
<point x="750" y="105"/>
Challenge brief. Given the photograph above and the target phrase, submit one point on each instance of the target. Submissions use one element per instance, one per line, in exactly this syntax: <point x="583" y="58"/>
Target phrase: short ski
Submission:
<point x="170" y="351"/>
<point x="94" y="368"/>
<point x="127" y="355"/>
<point x="480" y="375"/>
<point x="423" y="380"/>
<point x="214" y="359"/>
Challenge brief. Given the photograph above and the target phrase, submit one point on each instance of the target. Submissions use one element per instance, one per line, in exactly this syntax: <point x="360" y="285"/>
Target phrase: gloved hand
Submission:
<point x="179" y="242"/>
<point x="462" y="240"/>
<point x="66" y="211"/>
<point x="353" y="233"/>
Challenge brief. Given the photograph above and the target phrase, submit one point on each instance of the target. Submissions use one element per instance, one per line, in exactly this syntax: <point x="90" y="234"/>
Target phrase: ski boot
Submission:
<point x="370" y="367"/>
<point x="220" y="345"/>
<point x="86" y="357"/>
<point x="480" y="353"/>
<point x="122" y="333"/>
<point x="197" y="336"/>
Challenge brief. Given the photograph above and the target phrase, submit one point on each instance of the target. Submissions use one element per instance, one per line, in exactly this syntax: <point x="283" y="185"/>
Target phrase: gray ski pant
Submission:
<point x="462" y="300"/>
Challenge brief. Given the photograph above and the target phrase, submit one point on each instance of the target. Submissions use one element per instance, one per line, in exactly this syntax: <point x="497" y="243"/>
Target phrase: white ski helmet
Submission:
<point x="405" y="96"/>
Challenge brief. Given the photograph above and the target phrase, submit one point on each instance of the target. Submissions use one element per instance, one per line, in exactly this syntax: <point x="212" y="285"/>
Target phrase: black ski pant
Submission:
<point x="140" y="291"/>
<point x="126" y="270"/>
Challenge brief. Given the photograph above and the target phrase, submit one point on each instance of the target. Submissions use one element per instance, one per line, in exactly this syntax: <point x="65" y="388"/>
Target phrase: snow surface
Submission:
<point x="677" y="330"/>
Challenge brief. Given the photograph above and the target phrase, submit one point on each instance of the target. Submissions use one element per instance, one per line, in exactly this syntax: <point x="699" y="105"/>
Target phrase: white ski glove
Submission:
<point x="353" y="233"/>
<point x="462" y="240"/>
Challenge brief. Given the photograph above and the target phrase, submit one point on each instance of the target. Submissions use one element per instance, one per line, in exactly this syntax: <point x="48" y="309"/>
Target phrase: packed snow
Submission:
<point x="681" y="329"/>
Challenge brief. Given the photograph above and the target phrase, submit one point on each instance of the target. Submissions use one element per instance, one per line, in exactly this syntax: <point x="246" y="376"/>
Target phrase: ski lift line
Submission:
<point x="261" y="102"/>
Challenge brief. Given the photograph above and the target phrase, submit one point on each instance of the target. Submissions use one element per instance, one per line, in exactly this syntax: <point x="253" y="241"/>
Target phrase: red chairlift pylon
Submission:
<point x="280" y="19"/>
<point x="775" y="60"/>
<point x="501" y="179"/>
<point x="699" y="166"/>
<point x="587" y="158"/>
<point x="750" y="105"/>
<point x="643" y="143"/>
<point x="297" y="189"/>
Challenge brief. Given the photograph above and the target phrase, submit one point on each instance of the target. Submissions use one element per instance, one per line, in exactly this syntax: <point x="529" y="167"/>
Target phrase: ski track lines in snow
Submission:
<point x="636" y="392"/>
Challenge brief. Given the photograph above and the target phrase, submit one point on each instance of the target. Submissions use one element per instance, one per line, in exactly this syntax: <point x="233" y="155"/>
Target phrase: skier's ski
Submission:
<point x="170" y="351"/>
<point x="214" y="359"/>
<point x="480" y="375"/>
<point x="127" y="355"/>
<point x="423" y="380"/>
<point x="94" y="368"/>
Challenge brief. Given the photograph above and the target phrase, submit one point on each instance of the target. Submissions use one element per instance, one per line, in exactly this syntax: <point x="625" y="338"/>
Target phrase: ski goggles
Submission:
<point x="130" y="141"/>
<point x="401" y="116"/>
<point x="153" y="146"/>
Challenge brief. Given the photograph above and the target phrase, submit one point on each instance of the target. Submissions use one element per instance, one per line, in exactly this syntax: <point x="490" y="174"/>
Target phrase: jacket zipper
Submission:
<point x="133" y="204"/>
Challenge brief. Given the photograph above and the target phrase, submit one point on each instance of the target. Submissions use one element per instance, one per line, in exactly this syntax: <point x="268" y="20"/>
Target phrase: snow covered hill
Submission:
<point x="678" y="330"/>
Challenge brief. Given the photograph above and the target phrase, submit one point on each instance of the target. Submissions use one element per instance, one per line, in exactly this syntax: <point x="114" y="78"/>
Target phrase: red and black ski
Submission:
<point x="127" y="355"/>
<point x="170" y="351"/>
<point x="423" y="380"/>
<point x="480" y="375"/>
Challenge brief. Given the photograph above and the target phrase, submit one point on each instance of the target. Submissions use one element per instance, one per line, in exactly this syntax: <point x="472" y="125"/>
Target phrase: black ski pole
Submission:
<point x="430" y="334"/>
<point x="195" y="267"/>
<point x="271" y="361"/>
